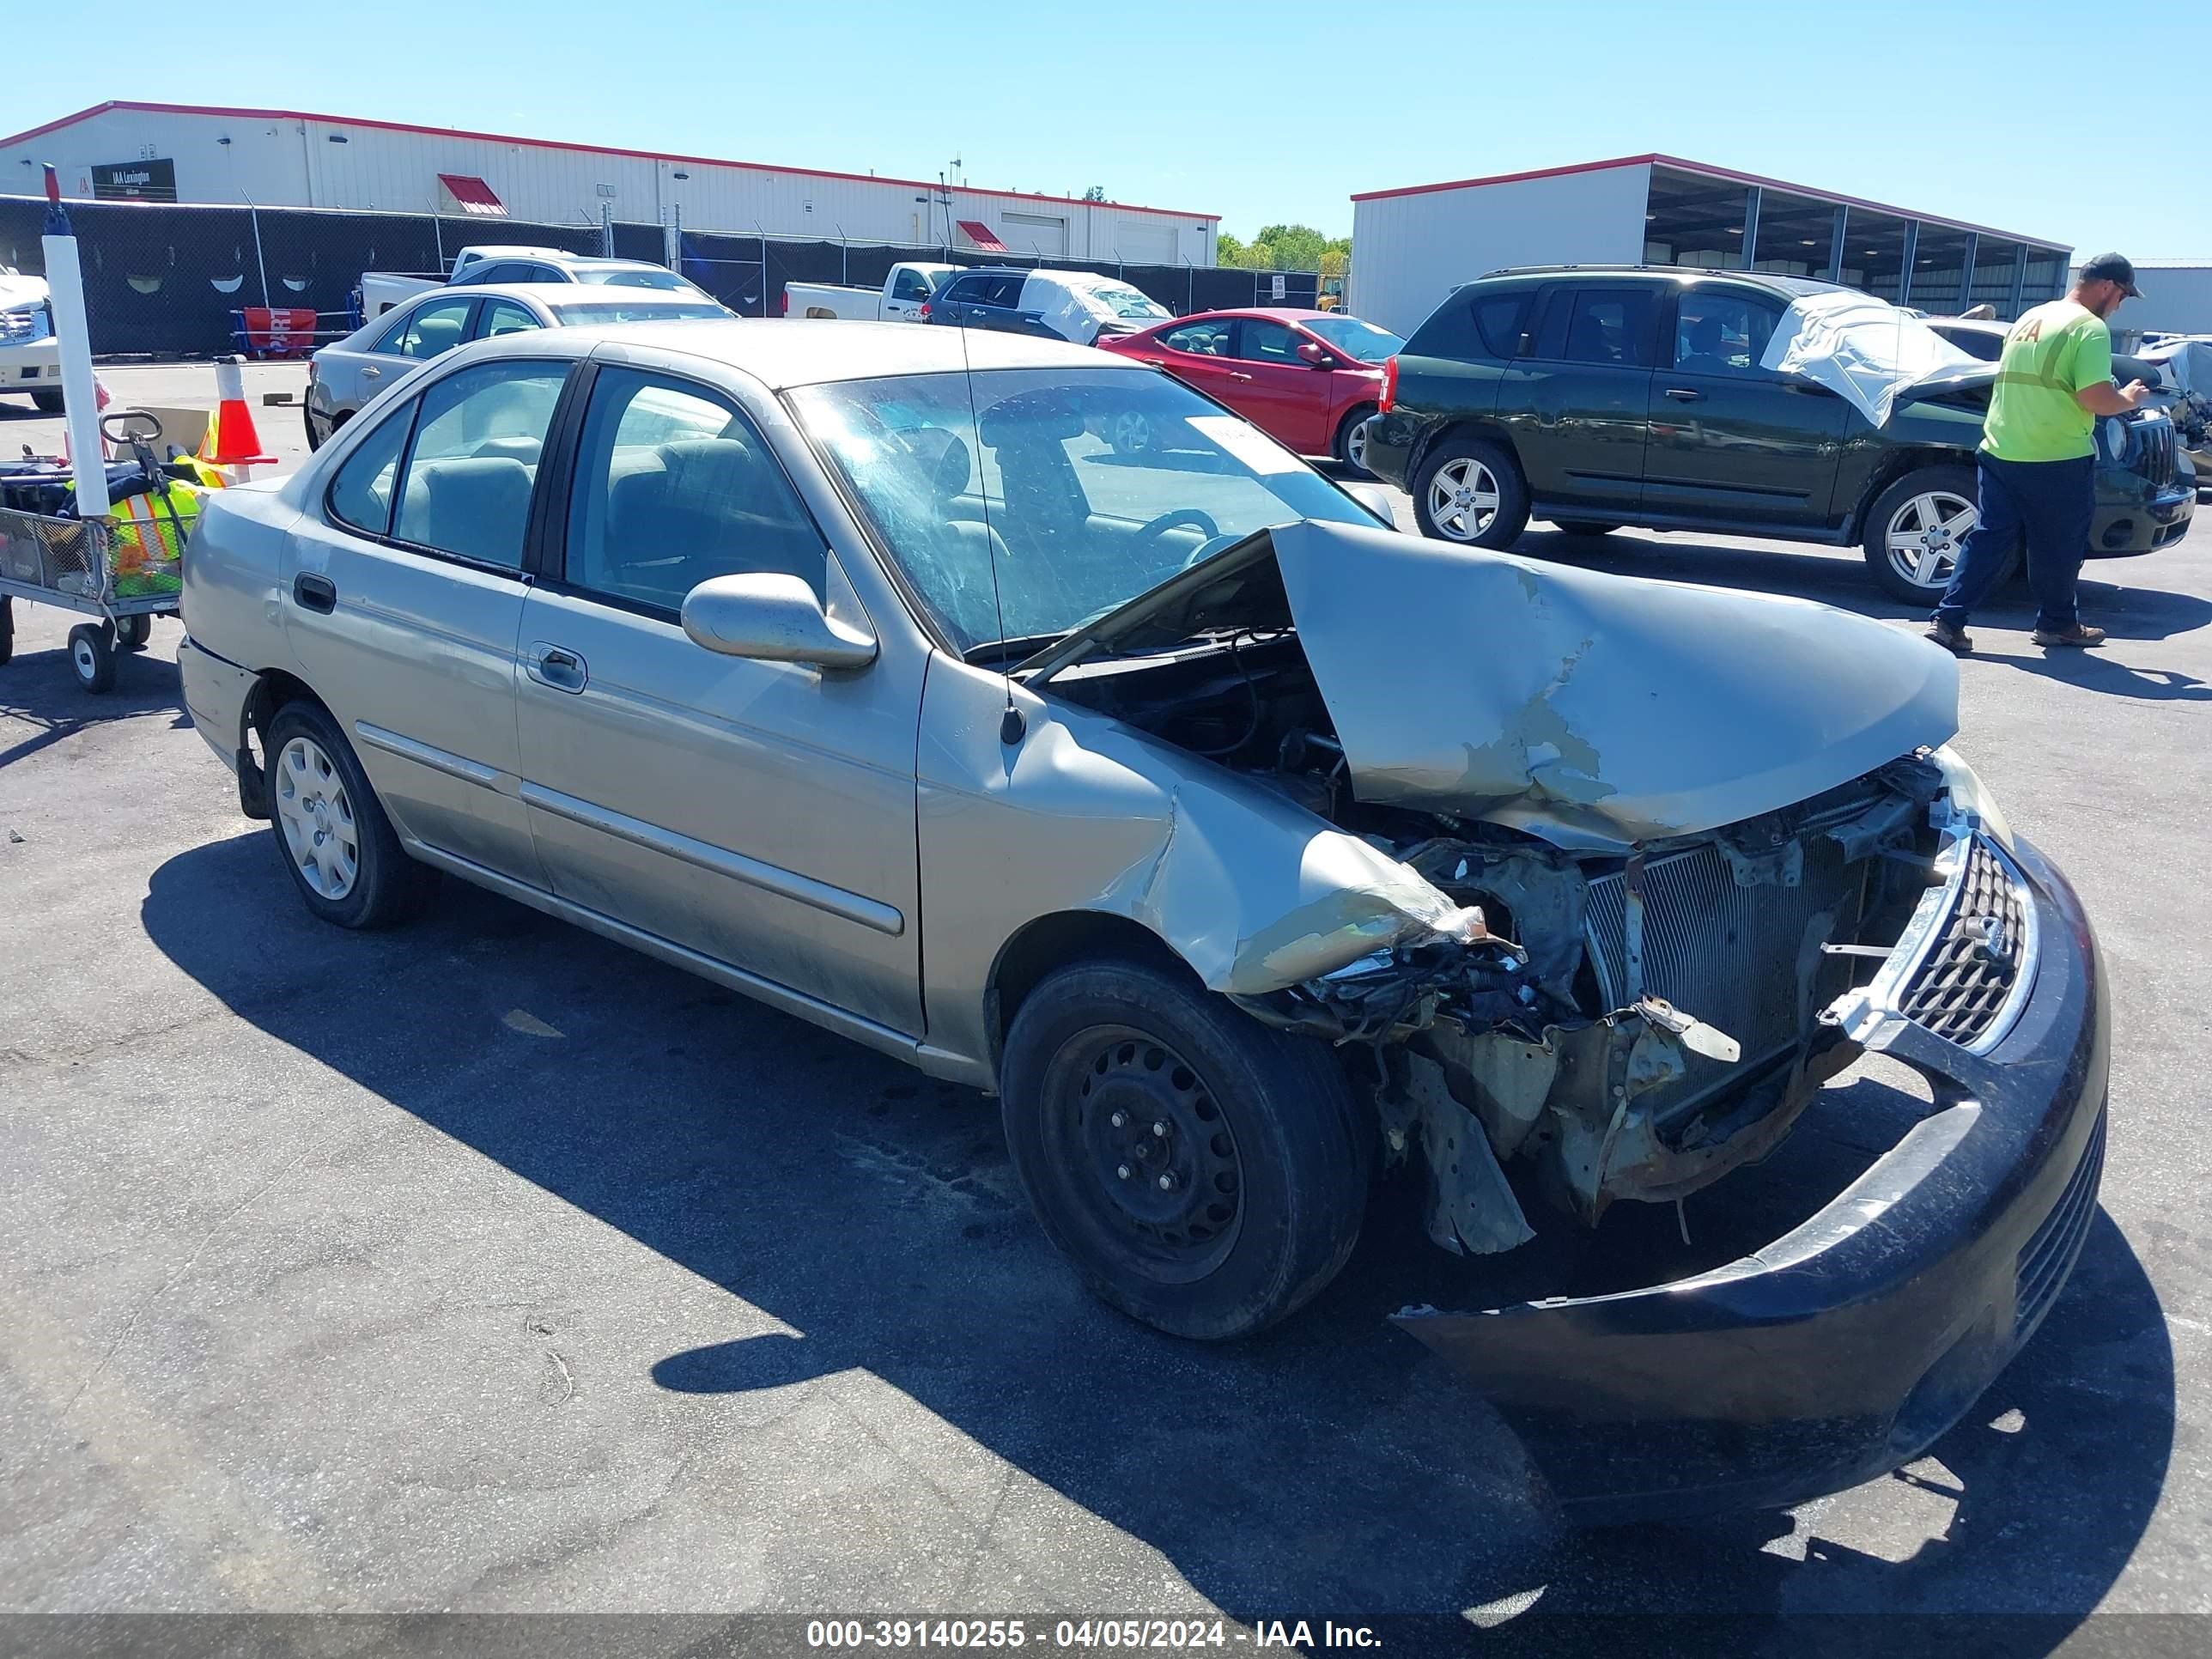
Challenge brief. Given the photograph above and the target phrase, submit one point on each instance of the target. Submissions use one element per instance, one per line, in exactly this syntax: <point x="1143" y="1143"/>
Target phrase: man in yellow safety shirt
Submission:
<point x="2037" y="464"/>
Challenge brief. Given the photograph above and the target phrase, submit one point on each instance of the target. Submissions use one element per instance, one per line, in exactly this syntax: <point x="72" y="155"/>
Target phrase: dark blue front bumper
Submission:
<point x="1845" y="1348"/>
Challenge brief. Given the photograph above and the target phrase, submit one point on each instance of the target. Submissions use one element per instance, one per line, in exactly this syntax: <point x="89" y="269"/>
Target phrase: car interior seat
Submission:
<point x="435" y="335"/>
<point x="714" y="507"/>
<point x="474" y="506"/>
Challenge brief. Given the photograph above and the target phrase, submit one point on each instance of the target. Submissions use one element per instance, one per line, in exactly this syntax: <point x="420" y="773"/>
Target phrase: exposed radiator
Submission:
<point x="1727" y="954"/>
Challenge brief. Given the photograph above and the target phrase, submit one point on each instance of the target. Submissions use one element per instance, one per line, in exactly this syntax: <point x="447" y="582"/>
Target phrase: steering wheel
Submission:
<point x="1175" y="521"/>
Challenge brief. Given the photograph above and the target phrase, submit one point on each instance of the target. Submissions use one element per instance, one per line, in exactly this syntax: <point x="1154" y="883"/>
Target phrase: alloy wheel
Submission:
<point x="1355" y="446"/>
<point x="317" y="820"/>
<point x="1463" y="499"/>
<point x="1923" y="537"/>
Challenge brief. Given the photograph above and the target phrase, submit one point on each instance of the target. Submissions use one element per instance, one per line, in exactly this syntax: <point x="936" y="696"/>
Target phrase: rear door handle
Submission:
<point x="371" y="372"/>
<point x="1236" y="374"/>
<point x="313" y="592"/>
<point x="1682" y="394"/>
<point x="557" y="666"/>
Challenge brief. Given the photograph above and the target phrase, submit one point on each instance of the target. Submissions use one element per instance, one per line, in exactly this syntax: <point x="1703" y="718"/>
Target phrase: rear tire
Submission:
<point x="132" y="632"/>
<point x="1913" y="531"/>
<point x="92" y="657"/>
<point x="1470" y="491"/>
<point x="46" y="403"/>
<point x="1351" y="446"/>
<point x="331" y="832"/>
<point x="1265" y="1171"/>
<point x="7" y="629"/>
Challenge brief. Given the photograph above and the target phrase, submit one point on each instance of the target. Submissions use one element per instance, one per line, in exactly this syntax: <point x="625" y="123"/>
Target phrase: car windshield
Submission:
<point x="1054" y="495"/>
<point x="639" y="310"/>
<point x="1128" y="301"/>
<point x="1369" y="344"/>
<point x="636" y="277"/>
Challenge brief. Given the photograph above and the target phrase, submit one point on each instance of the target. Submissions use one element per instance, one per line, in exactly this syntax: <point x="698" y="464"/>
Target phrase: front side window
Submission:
<point x="1000" y="494"/>
<point x="433" y="327"/>
<point x="910" y="285"/>
<point x="1720" y="332"/>
<point x="474" y="460"/>
<point x="361" y="494"/>
<point x="673" y="486"/>
<point x="1200" y="339"/>
<point x="1262" y="340"/>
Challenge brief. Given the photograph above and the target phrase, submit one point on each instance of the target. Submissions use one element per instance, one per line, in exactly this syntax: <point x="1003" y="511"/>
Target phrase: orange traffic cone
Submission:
<point x="231" y="441"/>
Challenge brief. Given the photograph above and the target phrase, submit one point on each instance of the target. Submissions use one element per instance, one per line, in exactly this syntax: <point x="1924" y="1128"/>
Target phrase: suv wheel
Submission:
<point x="1470" y="491"/>
<point x="1913" y="531"/>
<point x="1202" y="1173"/>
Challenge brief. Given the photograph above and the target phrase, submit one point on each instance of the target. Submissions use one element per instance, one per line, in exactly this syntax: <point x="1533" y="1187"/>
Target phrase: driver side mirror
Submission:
<point x="1316" y="355"/>
<point x="772" y="618"/>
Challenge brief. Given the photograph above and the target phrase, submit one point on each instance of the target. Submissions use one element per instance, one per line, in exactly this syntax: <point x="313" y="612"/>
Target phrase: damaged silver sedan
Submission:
<point x="1243" y="846"/>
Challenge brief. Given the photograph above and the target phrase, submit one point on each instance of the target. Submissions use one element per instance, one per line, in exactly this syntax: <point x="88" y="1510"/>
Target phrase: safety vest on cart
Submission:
<point x="149" y="534"/>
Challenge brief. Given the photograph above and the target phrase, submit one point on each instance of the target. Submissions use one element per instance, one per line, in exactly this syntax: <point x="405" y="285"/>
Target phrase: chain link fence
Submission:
<point x="173" y="280"/>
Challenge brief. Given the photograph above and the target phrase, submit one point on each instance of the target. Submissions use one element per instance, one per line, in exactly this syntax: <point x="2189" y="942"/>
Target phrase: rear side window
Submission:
<point x="1200" y="339"/>
<point x="474" y="461"/>
<point x="361" y="494"/>
<point x="1477" y="325"/>
<point x="1606" y="325"/>
<point x="436" y="326"/>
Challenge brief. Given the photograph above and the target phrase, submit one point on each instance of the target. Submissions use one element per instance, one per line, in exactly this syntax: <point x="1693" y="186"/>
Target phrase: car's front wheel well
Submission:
<point x="272" y="689"/>
<point x="1052" y="942"/>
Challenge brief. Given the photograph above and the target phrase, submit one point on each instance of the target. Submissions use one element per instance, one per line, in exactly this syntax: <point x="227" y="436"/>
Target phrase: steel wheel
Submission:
<point x="1133" y="432"/>
<point x="1463" y="499"/>
<point x="1924" y="538"/>
<point x="316" y="818"/>
<point x="1149" y="1158"/>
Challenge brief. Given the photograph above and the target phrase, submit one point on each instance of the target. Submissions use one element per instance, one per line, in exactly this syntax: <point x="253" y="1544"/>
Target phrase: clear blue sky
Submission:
<point x="2000" y="114"/>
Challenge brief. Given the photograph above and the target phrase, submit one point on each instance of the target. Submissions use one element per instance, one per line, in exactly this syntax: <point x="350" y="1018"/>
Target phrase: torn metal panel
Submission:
<point x="1472" y="1210"/>
<point x="1591" y="710"/>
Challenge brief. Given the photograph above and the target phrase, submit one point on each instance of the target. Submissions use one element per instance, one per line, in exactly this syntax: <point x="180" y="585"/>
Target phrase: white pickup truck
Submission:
<point x="903" y="298"/>
<point x="380" y="290"/>
<point x="30" y="360"/>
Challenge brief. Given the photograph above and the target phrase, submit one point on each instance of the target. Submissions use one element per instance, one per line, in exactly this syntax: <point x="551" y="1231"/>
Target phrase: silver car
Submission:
<point x="346" y="373"/>
<point x="1240" y="845"/>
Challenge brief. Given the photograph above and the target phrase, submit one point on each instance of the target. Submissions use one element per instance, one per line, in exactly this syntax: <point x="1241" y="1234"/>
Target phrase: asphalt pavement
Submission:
<point x="485" y="1266"/>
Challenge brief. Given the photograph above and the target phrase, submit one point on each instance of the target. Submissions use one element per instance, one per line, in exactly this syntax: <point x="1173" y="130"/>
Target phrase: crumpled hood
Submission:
<point x="1593" y="709"/>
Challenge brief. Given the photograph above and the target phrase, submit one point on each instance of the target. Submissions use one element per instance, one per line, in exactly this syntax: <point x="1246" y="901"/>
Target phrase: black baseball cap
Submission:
<point x="2112" y="268"/>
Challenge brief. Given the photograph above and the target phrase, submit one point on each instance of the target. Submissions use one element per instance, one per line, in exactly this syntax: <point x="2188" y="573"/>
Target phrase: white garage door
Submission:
<point x="1146" y="241"/>
<point x="1039" y="234"/>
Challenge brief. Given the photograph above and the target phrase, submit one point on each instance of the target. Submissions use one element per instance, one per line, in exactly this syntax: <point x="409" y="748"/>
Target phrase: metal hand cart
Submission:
<point x="122" y="572"/>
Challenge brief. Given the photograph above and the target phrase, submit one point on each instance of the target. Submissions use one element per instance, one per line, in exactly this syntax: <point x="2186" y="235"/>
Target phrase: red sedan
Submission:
<point x="1307" y="379"/>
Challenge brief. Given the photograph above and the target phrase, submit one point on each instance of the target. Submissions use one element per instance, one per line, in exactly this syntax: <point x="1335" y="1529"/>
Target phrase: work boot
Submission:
<point x="1953" y="640"/>
<point x="2079" y="633"/>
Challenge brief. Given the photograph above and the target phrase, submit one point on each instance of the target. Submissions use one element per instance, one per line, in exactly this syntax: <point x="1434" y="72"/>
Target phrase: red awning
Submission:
<point x="982" y="235"/>
<point x="473" y="194"/>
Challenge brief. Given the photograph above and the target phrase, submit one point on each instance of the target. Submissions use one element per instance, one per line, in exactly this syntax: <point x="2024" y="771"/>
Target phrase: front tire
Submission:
<point x="1470" y="491"/>
<point x="1913" y="531"/>
<point x="330" y="829"/>
<point x="46" y="403"/>
<point x="1202" y="1173"/>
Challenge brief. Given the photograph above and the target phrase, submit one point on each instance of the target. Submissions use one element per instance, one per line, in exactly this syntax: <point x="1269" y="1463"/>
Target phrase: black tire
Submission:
<point x="7" y="629"/>
<point x="48" y="403"/>
<point x="1507" y="520"/>
<point x="1585" y="527"/>
<point x="1263" y="1143"/>
<point x="1342" y="447"/>
<point x="92" y="657"/>
<point x="1890" y="512"/>
<point x="386" y="886"/>
<point x="132" y="632"/>
<point x="314" y="438"/>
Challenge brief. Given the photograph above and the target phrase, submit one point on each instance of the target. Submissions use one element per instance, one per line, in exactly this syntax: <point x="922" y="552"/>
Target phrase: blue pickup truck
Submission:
<point x="1062" y="305"/>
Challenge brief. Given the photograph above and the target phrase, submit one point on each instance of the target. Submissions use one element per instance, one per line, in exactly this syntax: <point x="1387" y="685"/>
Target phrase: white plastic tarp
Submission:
<point x="1073" y="304"/>
<point x="1865" y="350"/>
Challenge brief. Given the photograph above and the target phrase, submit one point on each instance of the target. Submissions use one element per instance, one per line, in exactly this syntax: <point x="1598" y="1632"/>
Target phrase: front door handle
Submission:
<point x="1238" y="374"/>
<point x="311" y="593"/>
<point x="1682" y="394"/>
<point x="557" y="666"/>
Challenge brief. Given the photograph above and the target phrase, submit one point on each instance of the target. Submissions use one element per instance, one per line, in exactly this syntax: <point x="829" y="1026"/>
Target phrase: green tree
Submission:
<point x="1285" y="247"/>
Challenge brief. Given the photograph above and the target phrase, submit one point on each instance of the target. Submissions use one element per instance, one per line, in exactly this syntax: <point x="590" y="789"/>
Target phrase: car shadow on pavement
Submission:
<point x="1331" y="1466"/>
<point x="39" y="689"/>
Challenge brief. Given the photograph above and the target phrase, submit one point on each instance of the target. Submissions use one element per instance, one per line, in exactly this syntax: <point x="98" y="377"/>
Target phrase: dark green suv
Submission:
<point x="1598" y="397"/>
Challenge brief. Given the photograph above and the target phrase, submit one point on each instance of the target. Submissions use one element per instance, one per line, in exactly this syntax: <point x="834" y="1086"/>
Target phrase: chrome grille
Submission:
<point x="2046" y="1258"/>
<point x="1727" y="954"/>
<point x="1962" y="985"/>
<point x="24" y="325"/>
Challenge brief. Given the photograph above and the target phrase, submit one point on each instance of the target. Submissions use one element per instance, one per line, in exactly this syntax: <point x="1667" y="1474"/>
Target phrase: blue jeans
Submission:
<point x="2047" y="504"/>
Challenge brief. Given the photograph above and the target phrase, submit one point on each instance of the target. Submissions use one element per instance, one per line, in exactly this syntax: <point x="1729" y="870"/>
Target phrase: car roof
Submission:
<point x="780" y="353"/>
<point x="1790" y="285"/>
<point x="555" y="296"/>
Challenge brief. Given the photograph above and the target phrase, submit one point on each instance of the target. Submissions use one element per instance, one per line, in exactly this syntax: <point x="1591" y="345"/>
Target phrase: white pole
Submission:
<point x="80" y="397"/>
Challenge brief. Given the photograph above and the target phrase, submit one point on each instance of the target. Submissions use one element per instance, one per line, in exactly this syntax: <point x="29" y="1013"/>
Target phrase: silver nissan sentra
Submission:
<point x="1242" y="846"/>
